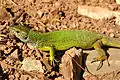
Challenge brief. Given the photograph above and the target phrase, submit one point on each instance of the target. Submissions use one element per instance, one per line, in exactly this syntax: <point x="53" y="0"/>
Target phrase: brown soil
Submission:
<point x="46" y="16"/>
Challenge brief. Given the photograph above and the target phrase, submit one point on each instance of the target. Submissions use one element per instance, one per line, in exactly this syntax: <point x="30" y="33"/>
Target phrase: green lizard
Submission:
<point x="65" y="39"/>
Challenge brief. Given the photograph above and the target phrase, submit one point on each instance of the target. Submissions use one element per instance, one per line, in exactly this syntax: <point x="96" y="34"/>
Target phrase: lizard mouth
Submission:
<point x="12" y="31"/>
<point x="21" y="35"/>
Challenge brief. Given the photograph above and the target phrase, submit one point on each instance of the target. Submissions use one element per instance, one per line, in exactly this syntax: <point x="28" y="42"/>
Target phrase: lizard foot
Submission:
<point x="101" y="59"/>
<point x="52" y="62"/>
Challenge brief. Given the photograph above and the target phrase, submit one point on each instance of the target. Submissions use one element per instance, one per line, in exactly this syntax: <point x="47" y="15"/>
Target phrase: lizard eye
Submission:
<point x="17" y="31"/>
<point x="26" y="37"/>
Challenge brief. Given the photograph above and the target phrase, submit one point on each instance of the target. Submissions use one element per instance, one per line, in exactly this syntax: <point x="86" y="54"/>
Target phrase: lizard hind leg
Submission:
<point x="97" y="46"/>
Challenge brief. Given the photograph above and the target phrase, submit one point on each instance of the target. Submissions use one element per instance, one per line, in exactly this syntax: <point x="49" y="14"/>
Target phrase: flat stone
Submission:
<point x="95" y="12"/>
<point x="114" y="60"/>
<point x="30" y="64"/>
<point x="98" y="13"/>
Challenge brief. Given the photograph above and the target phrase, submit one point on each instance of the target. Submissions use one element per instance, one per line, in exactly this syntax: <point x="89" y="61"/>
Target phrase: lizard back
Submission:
<point x="65" y="39"/>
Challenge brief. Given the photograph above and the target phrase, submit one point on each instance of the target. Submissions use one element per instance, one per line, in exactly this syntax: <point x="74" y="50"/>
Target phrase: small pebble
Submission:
<point x="40" y="13"/>
<point x="112" y="35"/>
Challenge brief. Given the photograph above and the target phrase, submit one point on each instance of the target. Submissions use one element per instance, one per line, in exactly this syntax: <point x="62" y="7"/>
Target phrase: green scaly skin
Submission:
<point x="65" y="39"/>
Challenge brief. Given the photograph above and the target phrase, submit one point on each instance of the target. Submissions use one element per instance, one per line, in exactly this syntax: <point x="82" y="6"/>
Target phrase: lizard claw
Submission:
<point x="101" y="59"/>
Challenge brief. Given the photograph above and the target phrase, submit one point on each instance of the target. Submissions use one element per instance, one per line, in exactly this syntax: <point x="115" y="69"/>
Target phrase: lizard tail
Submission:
<point x="113" y="42"/>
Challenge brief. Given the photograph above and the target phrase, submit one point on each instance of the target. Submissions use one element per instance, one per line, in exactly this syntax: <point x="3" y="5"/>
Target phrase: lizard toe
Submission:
<point x="101" y="59"/>
<point x="100" y="65"/>
<point x="53" y="62"/>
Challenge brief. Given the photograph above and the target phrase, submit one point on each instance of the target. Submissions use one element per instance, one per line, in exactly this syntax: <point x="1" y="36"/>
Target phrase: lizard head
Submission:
<point x="20" y="32"/>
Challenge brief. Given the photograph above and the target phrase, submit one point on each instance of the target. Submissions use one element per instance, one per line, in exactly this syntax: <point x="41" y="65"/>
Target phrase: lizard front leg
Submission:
<point x="52" y="53"/>
<point x="97" y="46"/>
